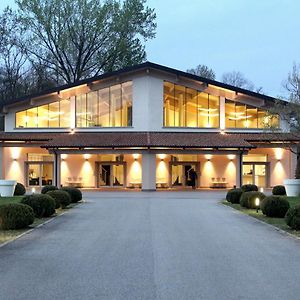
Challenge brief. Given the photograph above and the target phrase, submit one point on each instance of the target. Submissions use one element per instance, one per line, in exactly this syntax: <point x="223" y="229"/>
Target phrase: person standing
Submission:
<point x="193" y="178"/>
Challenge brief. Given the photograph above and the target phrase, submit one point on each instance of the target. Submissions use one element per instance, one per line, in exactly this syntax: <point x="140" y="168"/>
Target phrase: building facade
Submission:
<point x="145" y="127"/>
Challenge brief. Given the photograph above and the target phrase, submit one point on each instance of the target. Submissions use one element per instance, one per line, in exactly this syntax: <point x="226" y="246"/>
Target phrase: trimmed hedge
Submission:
<point x="15" y="216"/>
<point x="249" y="188"/>
<point x="279" y="190"/>
<point x="62" y="198"/>
<point x="74" y="193"/>
<point x="19" y="189"/>
<point x="248" y="199"/>
<point x="42" y="205"/>
<point x="292" y="217"/>
<point x="234" y="195"/>
<point x="275" y="206"/>
<point x="48" y="188"/>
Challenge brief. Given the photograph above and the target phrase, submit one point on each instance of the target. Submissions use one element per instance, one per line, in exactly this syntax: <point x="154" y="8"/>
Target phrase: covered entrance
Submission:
<point x="111" y="174"/>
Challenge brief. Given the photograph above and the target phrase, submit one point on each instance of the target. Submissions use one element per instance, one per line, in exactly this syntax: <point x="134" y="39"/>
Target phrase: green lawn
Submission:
<point x="278" y="222"/>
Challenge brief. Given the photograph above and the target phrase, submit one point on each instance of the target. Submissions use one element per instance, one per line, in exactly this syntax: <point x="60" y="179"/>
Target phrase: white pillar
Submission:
<point x="148" y="172"/>
<point x="222" y="113"/>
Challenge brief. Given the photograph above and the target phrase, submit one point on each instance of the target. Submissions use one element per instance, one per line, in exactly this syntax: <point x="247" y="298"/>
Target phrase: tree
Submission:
<point x="237" y="79"/>
<point x="77" y="39"/>
<point x="203" y="71"/>
<point x="288" y="108"/>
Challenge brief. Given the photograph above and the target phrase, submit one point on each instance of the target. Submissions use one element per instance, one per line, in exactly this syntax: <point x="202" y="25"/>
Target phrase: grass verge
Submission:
<point x="277" y="222"/>
<point x="8" y="235"/>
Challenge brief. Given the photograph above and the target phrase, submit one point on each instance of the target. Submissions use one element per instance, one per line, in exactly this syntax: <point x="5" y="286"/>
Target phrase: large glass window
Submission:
<point x="55" y="114"/>
<point x="239" y="115"/>
<point x="186" y="107"/>
<point x="108" y="107"/>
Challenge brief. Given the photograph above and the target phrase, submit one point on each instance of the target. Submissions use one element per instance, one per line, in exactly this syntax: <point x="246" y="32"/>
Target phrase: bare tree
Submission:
<point x="203" y="71"/>
<point x="237" y="79"/>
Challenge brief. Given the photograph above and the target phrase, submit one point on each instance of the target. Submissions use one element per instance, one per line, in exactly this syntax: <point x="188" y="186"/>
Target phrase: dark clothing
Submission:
<point x="193" y="177"/>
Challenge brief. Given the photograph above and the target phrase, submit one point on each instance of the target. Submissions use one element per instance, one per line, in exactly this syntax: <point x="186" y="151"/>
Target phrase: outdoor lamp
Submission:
<point x="257" y="204"/>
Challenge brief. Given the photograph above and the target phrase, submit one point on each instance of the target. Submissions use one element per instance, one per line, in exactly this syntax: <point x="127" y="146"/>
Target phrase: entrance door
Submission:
<point x="180" y="173"/>
<point x="256" y="173"/>
<point x="39" y="173"/>
<point x="111" y="174"/>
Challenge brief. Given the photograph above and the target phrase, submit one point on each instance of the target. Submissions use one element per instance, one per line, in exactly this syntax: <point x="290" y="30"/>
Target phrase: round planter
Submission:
<point x="292" y="187"/>
<point x="7" y="188"/>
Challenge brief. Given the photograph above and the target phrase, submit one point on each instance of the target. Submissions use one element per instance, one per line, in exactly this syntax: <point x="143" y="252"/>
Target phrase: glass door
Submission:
<point x="181" y="173"/>
<point x="39" y="173"/>
<point x="255" y="173"/>
<point x="111" y="175"/>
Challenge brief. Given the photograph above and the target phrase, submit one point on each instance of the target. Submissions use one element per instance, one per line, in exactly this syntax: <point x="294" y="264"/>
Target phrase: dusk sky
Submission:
<point x="256" y="37"/>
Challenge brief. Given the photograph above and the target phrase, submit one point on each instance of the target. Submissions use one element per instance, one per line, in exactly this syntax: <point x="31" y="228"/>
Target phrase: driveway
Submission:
<point x="182" y="245"/>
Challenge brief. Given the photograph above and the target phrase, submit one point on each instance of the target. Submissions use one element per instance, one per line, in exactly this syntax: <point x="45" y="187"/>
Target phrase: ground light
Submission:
<point x="257" y="204"/>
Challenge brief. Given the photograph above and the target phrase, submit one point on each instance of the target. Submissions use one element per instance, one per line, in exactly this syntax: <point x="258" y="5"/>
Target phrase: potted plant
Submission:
<point x="7" y="187"/>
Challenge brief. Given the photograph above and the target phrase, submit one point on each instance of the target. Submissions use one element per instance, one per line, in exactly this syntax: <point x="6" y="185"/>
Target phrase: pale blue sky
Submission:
<point x="259" y="38"/>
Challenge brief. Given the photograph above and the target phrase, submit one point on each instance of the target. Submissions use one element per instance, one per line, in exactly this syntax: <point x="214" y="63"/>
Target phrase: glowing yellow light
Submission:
<point x="222" y="132"/>
<point x="33" y="190"/>
<point x="135" y="156"/>
<point x="162" y="156"/>
<point x="15" y="153"/>
<point x="231" y="156"/>
<point x="208" y="156"/>
<point x="278" y="153"/>
<point x="256" y="202"/>
<point x="86" y="156"/>
<point x="64" y="156"/>
<point x="261" y="189"/>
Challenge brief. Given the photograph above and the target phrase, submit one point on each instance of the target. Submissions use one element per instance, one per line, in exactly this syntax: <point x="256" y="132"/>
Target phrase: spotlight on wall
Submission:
<point x="14" y="159"/>
<point x="222" y="131"/>
<point x="208" y="159"/>
<point x="86" y="156"/>
<point x="63" y="157"/>
<point x="135" y="156"/>
<point x="72" y="131"/>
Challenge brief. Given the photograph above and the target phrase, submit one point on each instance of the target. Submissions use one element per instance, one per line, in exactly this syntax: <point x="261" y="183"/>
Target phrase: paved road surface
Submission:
<point x="151" y="246"/>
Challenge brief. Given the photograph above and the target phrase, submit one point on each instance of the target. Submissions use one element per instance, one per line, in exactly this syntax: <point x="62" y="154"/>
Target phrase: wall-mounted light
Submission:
<point x="208" y="159"/>
<point x="72" y="131"/>
<point x="63" y="157"/>
<point x="14" y="159"/>
<point x="86" y="156"/>
<point x="222" y="131"/>
<point x="135" y="156"/>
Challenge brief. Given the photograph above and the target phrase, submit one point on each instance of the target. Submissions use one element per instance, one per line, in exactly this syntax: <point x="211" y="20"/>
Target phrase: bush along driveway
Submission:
<point x="252" y="211"/>
<point x="22" y="213"/>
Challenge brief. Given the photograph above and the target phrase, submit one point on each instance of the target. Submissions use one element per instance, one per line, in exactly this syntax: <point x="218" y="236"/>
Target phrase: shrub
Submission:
<point x="42" y="205"/>
<point x="248" y="199"/>
<point x="234" y="195"/>
<point x="19" y="189"/>
<point x="15" y="216"/>
<point x="249" y="188"/>
<point x="74" y="193"/>
<point x="48" y="188"/>
<point x="292" y="217"/>
<point x="275" y="206"/>
<point x="279" y="190"/>
<point x="62" y="198"/>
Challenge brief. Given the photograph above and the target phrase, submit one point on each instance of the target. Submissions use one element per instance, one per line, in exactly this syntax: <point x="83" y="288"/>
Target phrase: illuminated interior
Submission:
<point x="55" y="114"/>
<point x="108" y="107"/>
<point x="239" y="115"/>
<point x="186" y="107"/>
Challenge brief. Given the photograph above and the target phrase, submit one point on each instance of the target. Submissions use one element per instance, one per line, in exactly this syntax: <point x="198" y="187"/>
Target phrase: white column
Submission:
<point x="239" y="169"/>
<point x="73" y="112"/>
<point x="148" y="172"/>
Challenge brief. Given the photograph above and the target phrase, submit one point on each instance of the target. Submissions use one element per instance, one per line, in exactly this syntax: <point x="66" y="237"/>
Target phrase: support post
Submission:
<point x="1" y="163"/>
<point x="57" y="169"/>
<point x="148" y="172"/>
<point x="239" y="170"/>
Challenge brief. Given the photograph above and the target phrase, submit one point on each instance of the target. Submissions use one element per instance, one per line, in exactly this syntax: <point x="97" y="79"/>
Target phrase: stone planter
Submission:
<point x="292" y="187"/>
<point x="7" y="188"/>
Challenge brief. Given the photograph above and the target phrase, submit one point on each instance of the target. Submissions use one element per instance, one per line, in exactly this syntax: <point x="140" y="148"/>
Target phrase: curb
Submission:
<point x="264" y="223"/>
<point x="34" y="228"/>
